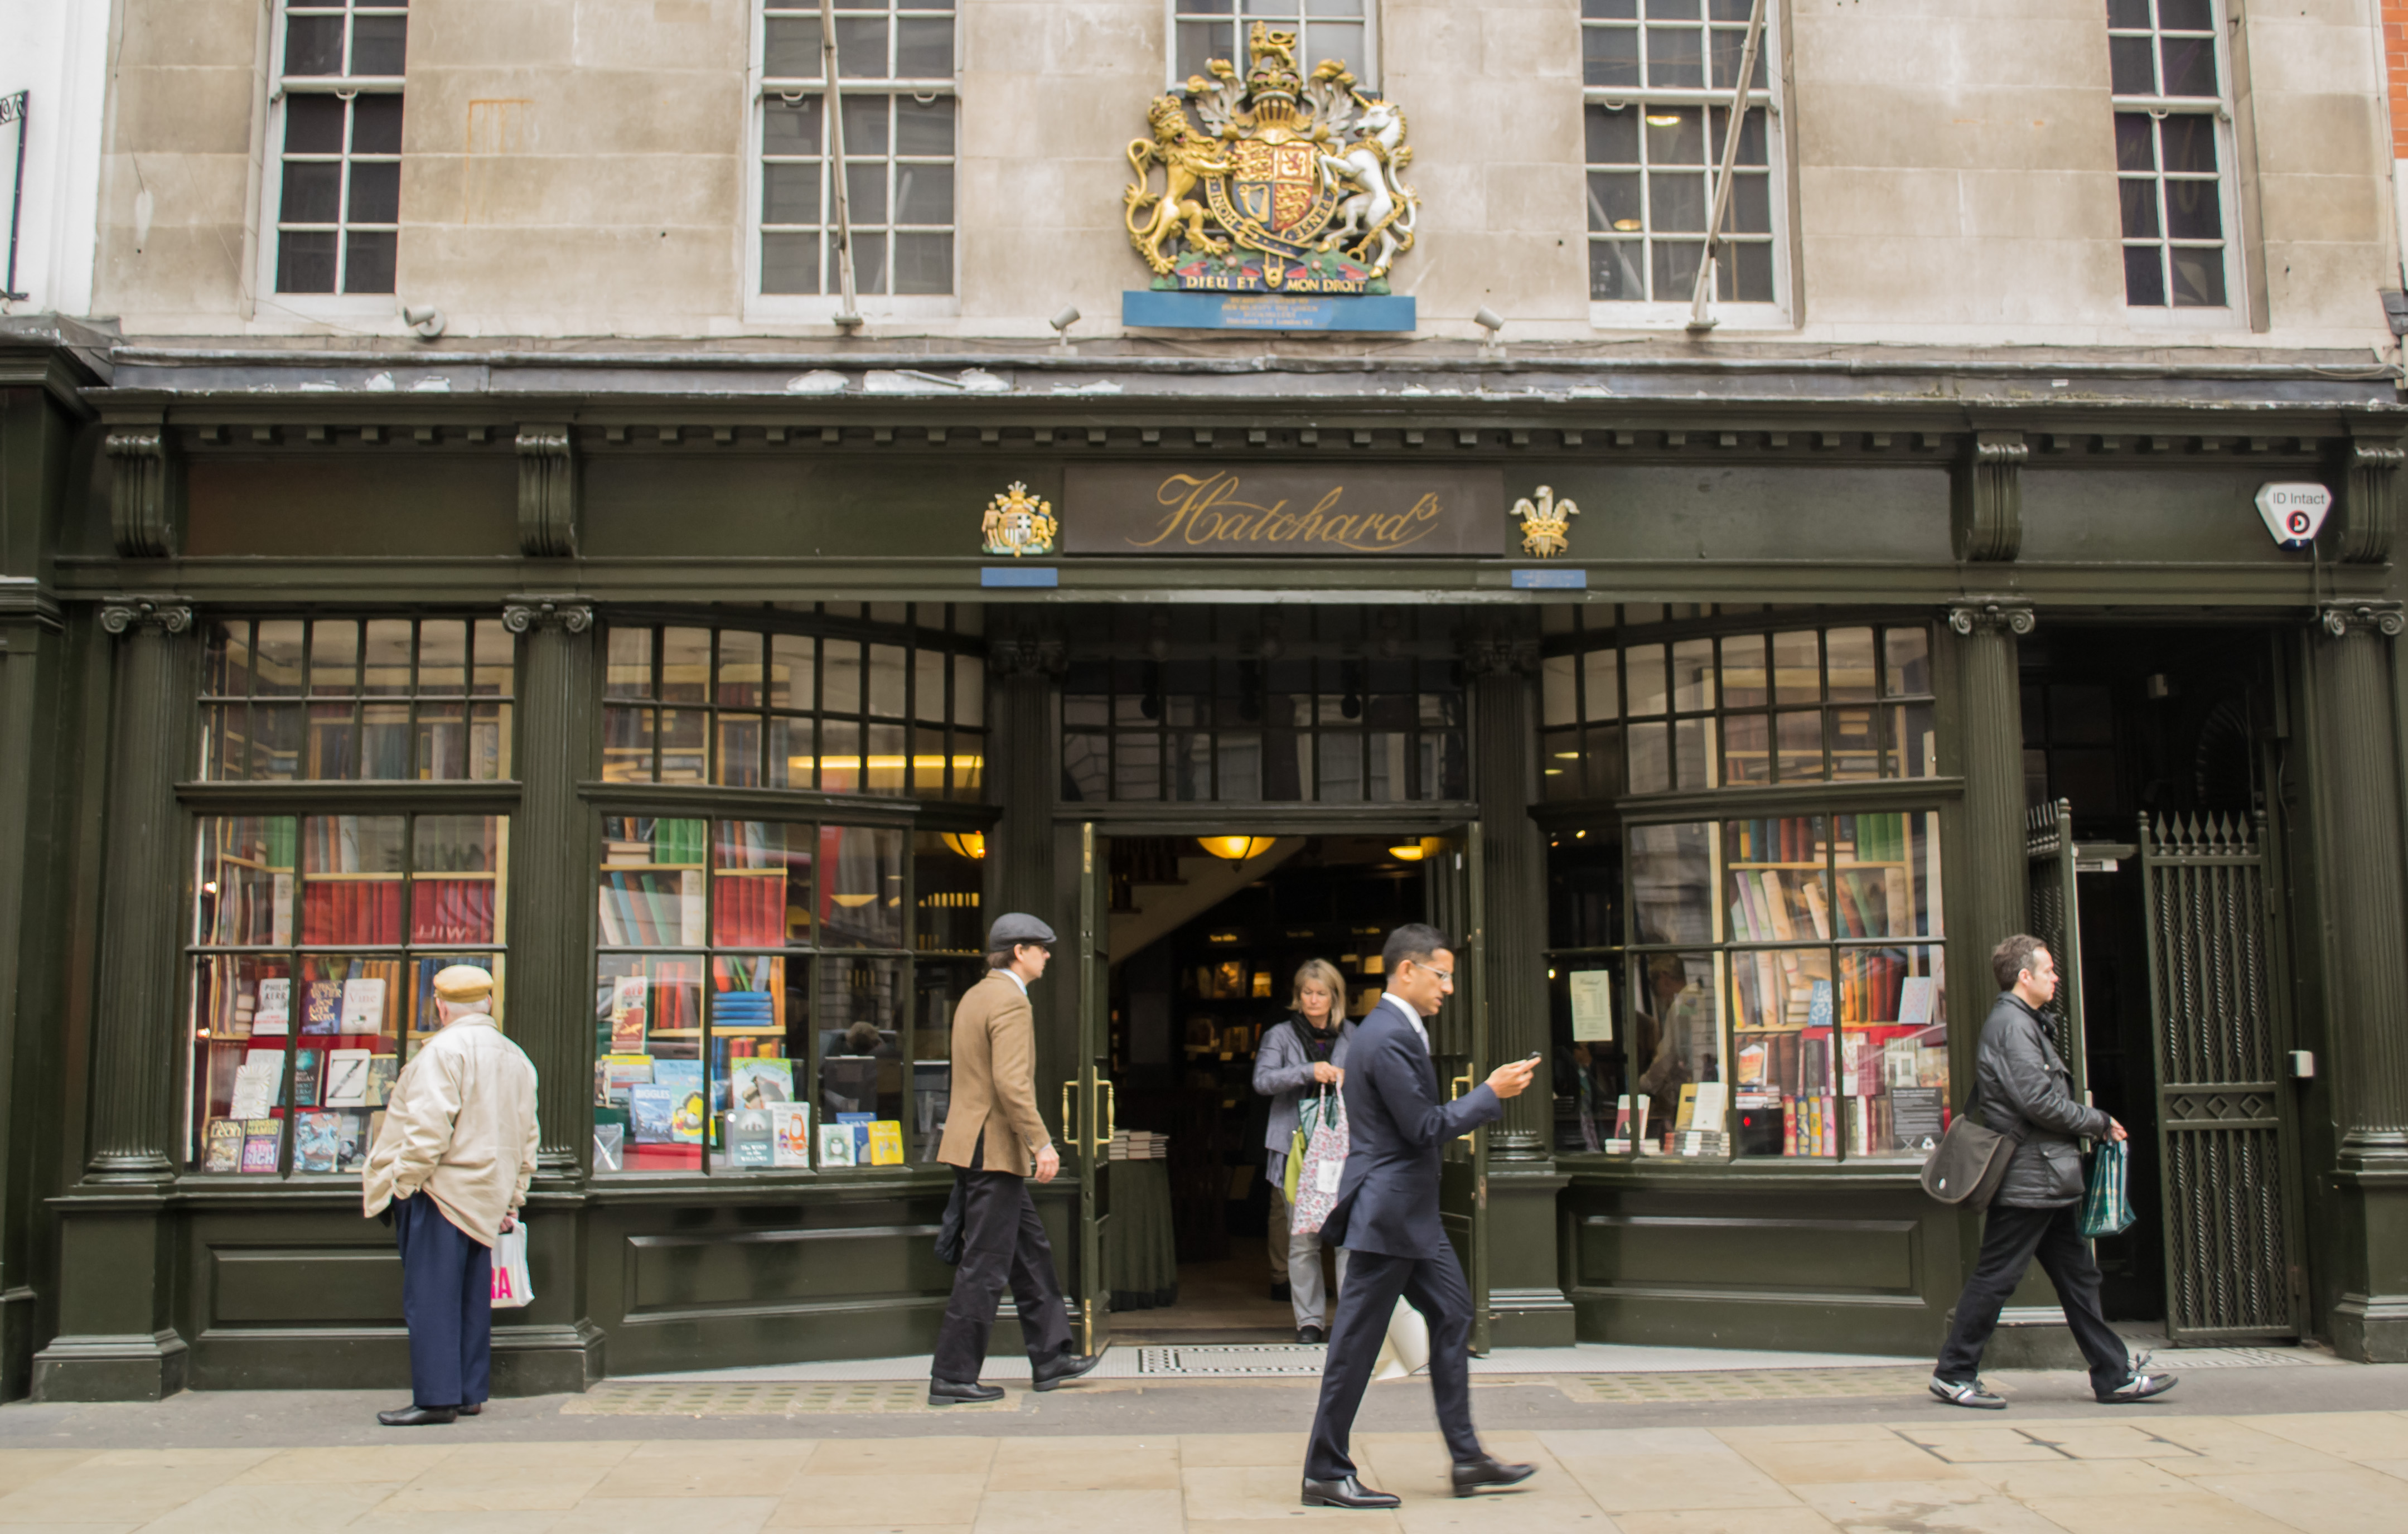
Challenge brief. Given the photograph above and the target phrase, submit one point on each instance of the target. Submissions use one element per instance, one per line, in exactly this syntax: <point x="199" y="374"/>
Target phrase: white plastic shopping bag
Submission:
<point x="512" y="1286"/>
<point x="1406" y="1348"/>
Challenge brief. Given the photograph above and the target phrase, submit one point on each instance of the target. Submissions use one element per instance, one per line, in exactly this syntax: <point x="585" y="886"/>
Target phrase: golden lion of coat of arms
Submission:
<point x="1291" y="183"/>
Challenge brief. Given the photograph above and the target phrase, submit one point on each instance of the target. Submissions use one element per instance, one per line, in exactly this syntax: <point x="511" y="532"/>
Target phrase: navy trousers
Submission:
<point x="447" y="1302"/>
<point x="1365" y="1301"/>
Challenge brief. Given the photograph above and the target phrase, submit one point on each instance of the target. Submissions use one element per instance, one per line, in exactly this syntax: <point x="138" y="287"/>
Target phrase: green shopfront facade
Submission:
<point x="689" y="704"/>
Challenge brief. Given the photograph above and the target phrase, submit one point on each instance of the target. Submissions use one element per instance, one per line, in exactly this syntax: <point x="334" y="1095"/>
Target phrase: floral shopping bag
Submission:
<point x="1324" y="1163"/>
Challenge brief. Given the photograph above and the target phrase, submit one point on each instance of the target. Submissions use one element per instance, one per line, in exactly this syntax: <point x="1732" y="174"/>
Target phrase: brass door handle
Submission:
<point x="1068" y="1087"/>
<point x="1461" y="1084"/>
<point x="1112" y="1115"/>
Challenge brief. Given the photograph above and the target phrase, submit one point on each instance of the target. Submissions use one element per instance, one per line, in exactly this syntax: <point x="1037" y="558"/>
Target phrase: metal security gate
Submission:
<point x="2226" y="1145"/>
<point x="2057" y="921"/>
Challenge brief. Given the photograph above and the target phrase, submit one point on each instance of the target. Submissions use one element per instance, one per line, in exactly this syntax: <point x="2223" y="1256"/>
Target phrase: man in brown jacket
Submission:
<point x="992" y="1132"/>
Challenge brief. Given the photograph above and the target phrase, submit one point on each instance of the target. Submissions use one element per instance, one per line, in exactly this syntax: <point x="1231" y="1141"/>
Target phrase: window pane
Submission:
<point x="2138" y="196"/>
<point x="313" y="192"/>
<point x="1600" y="695"/>
<point x="1674" y="56"/>
<point x="1888" y="869"/>
<point x="790" y="127"/>
<point x="1907" y="657"/>
<point x="1671" y="883"/>
<point x="1558" y="700"/>
<point x="1651" y="765"/>
<point x="1617" y="271"/>
<point x="1610" y="55"/>
<point x="1797" y="668"/>
<point x="314" y="45"/>
<point x="923" y="264"/>
<point x="1743" y="673"/>
<point x="246" y="882"/>
<point x="442" y="655"/>
<point x="1674" y="270"/>
<point x="2130" y="68"/>
<point x="386" y="660"/>
<point x="376" y="125"/>
<point x="792" y="684"/>
<point x="1645" y="680"/>
<point x="2188" y="65"/>
<point x="305" y="262"/>
<point x="1613" y="135"/>
<point x="628" y="670"/>
<point x="334" y="657"/>
<point x="654" y="1103"/>
<point x="790" y="263"/>
<point x="860" y="49"/>
<point x="1693" y="753"/>
<point x="740" y="670"/>
<point x="790" y="194"/>
<point x="1676" y="136"/>
<point x="1693" y="674"/>
<point x="379" y="44"/>
<point x="946" y="874"/>
<point x="866" y="184"/>
<point x="455" y="893"/>
<point x="685" y="664"/>
<point x="790" y="47"/>
<point x="1747" y="756"/>
<point x="923" y="194"/>
<point x="924" y="48"/>
<point x="1676" y="1047"/>
<point x="1848" y="653"/>
<point x="2192" y="210"/>
<point x="2144" y="275"/>
<point x="369" y="261"/>
<point x="865" y="125"/>
<point x="887" y="678"/>
<point x="2199" y="277"/>
<point x="2135" y="141"/>
<point x="860" y="1016"/>
<point x="1893" y="1052"/>
<point x="241" y="1034"/>
<point x="313" y="124"/>
<point x="921" y="127"/>
<point x="350" y="880"/>
<point x="861" y="893"/>
<point x="1800" y="738"/>
<point x="757" y="1040"/>
<point x="760" y="869"/>
<point x="2189" y="140"/>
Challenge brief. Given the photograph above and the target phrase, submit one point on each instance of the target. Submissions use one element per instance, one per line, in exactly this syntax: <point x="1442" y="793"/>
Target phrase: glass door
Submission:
<point x="1461" y="1048"/>
<point x="1088" y="1097"/>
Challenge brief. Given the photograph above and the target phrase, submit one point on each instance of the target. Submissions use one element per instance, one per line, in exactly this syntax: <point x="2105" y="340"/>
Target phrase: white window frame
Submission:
<point x="1663" y="314"/>
<point x="1366" y="81"/>
<point x="2235" y="311"/>
<point x="339" y="305"/>
<point x="821" y="308"/>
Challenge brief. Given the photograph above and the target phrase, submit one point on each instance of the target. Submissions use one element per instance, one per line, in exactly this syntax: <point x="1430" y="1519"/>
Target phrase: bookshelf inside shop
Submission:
<point x="316" y="946"/>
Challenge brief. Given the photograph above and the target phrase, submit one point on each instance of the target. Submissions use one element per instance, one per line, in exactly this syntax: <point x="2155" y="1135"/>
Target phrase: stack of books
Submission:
<point x="1702" y="1142"/>
<point x="1137" y="1145"/>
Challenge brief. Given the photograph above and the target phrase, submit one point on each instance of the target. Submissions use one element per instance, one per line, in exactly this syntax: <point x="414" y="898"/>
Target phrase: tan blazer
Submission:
<point x="995" y="1080"/>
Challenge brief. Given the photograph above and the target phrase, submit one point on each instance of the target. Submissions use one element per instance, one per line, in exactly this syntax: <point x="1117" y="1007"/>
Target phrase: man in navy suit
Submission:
<point x="1386" y="1218"/>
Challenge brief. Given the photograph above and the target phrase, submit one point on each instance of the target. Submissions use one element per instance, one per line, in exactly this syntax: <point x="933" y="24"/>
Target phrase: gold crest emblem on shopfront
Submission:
<point x="1018" y="522"/>
<point x="1290" y="184"/>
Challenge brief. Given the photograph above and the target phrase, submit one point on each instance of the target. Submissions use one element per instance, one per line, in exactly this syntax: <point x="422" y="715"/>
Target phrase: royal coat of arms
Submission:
<point x="1292" y="184"/>
<point x="1017" y="523"/>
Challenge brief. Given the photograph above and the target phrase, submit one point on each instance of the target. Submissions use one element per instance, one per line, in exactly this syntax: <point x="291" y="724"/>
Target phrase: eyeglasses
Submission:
<point x="1446" y="975"/>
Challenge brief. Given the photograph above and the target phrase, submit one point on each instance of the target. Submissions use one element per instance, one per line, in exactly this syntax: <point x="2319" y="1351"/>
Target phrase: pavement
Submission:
<point x="1774" y="1447"/>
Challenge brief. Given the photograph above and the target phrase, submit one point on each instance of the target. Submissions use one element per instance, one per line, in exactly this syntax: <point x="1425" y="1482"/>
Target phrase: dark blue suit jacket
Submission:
<point x="1398" y="1126"/>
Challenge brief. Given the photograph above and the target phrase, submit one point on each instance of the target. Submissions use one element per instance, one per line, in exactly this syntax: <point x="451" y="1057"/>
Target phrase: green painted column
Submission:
<point x="2352" y="663"/>
<point x="550" y="1346"/>
<point x="117" y="1339"/>
<point x="1526" y="1304"/>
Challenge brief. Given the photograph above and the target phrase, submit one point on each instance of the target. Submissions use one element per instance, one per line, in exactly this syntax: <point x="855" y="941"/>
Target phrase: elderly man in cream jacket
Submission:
<point x="452" y="1163"/>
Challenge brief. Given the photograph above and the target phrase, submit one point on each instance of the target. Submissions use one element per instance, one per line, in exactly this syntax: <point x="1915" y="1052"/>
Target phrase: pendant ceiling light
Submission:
<point x="971" y="844"/>
<point x="1236" y="849"/>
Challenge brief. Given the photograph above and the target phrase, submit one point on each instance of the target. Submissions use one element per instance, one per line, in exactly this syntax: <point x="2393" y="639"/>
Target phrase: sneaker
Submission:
<point x="1965" y="1393"/>
<point x="2138" y="1386"/>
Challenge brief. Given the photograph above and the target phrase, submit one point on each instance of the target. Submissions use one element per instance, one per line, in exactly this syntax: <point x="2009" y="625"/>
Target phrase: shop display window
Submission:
<point x="893" y="703"/>
<point x="1661" y="706"/>
<point x="773" y="995"/>
<point x="386" y="699"/>
<point x="316" y="940"/>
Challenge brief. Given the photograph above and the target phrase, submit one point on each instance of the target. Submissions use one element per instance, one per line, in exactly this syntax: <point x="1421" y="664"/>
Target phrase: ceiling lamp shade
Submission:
<point x="1411" y="852"/>
<point x="969" y="844"/>
<point x="1236" y="849"/>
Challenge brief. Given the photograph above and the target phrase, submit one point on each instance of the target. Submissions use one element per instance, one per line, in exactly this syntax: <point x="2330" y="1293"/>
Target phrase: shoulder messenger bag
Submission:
<point x="1972" y="1160"/>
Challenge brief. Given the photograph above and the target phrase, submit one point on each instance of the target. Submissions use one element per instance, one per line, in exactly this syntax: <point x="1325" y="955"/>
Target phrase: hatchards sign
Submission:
<point x="1283" y="510"/>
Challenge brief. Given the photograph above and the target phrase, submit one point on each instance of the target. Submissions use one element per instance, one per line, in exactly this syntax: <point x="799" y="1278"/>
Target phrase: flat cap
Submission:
<point x="1014" y="927"/>
<point x="460" y="983"/>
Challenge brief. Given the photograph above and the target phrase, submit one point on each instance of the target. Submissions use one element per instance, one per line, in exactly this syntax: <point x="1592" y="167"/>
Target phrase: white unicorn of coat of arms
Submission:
<point x="1375" y="222"/>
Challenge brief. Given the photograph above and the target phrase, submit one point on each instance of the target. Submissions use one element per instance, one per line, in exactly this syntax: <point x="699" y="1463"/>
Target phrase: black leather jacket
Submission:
<point x="2025" y="1086"/>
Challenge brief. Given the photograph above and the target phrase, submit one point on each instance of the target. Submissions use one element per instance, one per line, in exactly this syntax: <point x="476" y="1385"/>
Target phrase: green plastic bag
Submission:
<point x="2107" y="1204"/>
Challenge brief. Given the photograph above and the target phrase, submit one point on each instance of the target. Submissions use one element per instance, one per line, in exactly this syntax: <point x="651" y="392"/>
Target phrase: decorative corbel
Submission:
<point x="569" y="614"/>
<point x="2342" y="619"/>
<point x="1495" y="653"/>
<point x="146" y="491"/>
<point x="1987" y="497"/>
<point x="547" y="501"/>
<point x="168" y="615"/>
<point x="2369" y="472"/>
<point x="1992" y="615"/>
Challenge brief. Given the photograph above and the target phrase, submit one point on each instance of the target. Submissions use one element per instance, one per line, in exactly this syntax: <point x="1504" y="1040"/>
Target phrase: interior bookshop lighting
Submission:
<point x="961" y="765"/>
<point x="969" y="844"/>
<point x="1411" y="852"/>
<point x="1236" y="849"/>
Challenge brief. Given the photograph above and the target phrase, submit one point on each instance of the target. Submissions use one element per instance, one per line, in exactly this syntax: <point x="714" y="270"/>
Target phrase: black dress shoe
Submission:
<point x="1345" y="1492"/>
<point x="1486" y="1471"/>
<point x="1062" y="1369"/>
<point x="949" y="1392"/>
<point x="420" y="1416"/>
<point x="472" y="1411"/>
<point x="1311" y="1336"/>
<point x="1280" y="1290"/>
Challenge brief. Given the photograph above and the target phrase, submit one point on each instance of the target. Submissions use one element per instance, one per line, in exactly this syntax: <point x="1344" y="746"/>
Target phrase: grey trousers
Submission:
<point x="1300" y="1256"/>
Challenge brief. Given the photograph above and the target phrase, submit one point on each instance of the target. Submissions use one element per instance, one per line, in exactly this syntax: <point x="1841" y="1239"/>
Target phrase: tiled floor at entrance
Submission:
<point x="2330" y="1473"/>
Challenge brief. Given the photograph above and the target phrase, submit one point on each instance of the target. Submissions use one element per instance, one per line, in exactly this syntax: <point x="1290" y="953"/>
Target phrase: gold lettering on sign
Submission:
<point x="1202" y="509"/>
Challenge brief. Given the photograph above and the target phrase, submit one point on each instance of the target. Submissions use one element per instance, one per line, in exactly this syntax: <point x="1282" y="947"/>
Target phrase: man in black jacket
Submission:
<point x="2026" y="1095"/>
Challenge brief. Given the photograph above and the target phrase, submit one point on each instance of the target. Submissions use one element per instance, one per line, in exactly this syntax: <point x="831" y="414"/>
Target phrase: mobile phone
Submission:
<point x="1533" y="1057"/>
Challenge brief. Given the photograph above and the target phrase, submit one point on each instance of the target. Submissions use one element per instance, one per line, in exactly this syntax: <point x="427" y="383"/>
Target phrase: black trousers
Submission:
<point x="446" y="1302"/>
<point x="1002" y="1242"/>
<point x="2011" y="1238"/>
<point x="1435" y="1287"/>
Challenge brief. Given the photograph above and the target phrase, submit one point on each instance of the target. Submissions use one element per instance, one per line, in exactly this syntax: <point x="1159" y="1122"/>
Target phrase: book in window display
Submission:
<point x="222" y="1146"/>
<point x="790" y="1134"/>
<point x="274" y="1011"/>
<point x="261" y="1140"/>
<point x="347" y="1078"/>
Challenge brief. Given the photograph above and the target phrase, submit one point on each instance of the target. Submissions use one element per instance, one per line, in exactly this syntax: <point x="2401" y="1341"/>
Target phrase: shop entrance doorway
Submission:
<point x="1195" y="948"/>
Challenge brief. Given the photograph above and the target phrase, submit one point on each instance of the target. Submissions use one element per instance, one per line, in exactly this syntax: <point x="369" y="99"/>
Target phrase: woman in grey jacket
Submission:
<point x="1304" y="1052"/>
<point x="2026" y="1094"/>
